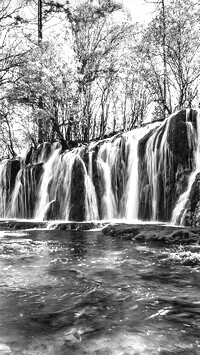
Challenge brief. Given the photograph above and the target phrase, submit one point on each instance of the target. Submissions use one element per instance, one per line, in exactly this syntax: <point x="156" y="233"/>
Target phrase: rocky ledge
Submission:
<point x="31" y="224"/>
<point x="162" y="233"/>
<point x="141" y="232"/>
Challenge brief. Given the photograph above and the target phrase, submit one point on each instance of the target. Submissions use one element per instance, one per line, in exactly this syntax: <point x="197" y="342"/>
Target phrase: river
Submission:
<point x="70" y="292"/>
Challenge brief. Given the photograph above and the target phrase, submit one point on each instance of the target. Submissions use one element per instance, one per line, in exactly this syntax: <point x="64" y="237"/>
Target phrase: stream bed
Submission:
<point x="81" y="292"/>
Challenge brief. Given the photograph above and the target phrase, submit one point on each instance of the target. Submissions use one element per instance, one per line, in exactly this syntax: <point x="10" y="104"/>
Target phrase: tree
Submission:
<point x="170" y="53"/>
<point x="96" y="36"/>
<point x="183" y="50"/>
<point x="11" y="54"/>
<point x="47" y="76"/>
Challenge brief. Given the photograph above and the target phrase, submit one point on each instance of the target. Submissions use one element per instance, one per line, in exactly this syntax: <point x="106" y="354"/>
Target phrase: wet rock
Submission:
<point x="14" y="167"/>
<point x="154" y="233"/>
<point x="29" y="156"/>
<point x="77" y="212"/>
<point x="192" y="213"/>
<point x="182" y="236"/>
<point x="78" y="226"/>
<point x="52" y="212"/>
<point x="177" y="138"/>
<point x="172" y="177"/>
<point x="118" y="229"/>
<point x="9" y="171"/>
<point x="97" y="179"/>
<point x="41" y="154"/>
<point x="70" y="339"/>
<point x="19" y="225"/>
<point x="182" y="178"/>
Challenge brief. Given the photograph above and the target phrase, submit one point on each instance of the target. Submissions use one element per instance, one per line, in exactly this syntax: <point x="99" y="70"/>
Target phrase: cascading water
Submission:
<point x="13" y="205"/>
<point x="132" y="192"/>
<point x="180" y="209"/>
<point x="129" y="176"/>
<point x="131" y="203"/>
<point x="43" y="196"/>
<point x="106" y="161"/>
<point x="119" y="190"/>
<point x="91" y="204"/>
<point x="57" y="179"/>
<point x="158" y="161"/>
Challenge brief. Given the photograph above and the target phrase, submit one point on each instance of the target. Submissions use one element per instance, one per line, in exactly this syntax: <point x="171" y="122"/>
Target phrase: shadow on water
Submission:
<point x="65" y="292"/>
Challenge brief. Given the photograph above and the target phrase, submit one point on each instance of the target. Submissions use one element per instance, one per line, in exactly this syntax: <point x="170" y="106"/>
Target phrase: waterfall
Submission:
<point x="109" y="161"/>
<point x="13" y="205"/>
<point x="132" y="191"/>
<point x="56" y="184"/>
<point x="43" y="195"/>
<point x="91" y="204"/>
<point x="69" y="160"/>
<point x="131" y="175"/>
<point x="106" y="161"/>
<point x="132" y="186"/>
<point x="114" y="193"/>
<point x="159" y="163"/>
<point x="180" y="209"/>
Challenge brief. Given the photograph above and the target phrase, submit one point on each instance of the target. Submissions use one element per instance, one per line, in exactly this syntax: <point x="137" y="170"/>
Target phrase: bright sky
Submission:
<point x="140" y="10"/>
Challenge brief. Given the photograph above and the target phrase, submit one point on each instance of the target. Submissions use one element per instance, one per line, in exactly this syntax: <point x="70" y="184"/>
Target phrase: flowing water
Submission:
<point x="86" y="293"/>
<point x="180" y="209"/>
<point x="109" y="170"/>
<point x="128" y="176"/>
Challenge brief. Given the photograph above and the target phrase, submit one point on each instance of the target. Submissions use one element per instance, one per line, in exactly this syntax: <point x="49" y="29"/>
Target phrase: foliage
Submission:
<point x="177" y="64"/>
<point x="95" y="72"/>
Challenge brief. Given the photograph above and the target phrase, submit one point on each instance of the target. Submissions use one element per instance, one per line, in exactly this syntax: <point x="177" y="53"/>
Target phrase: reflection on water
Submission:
<point x="85" y="293"/>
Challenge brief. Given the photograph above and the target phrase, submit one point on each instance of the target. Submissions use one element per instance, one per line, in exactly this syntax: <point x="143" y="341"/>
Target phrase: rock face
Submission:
<point x="192" y="212"/>
<point x="167" y="155"/>
<point x="139" y="174"/>
<point x="8" y="172"/>
<point x="27" y="224"/>
<point x="77" y="210"/>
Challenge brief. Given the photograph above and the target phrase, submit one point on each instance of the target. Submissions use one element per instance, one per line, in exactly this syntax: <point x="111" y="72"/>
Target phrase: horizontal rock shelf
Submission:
<point x="154" y="233"/>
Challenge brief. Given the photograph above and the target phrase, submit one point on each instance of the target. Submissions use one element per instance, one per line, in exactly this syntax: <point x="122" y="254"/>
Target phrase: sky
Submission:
<point x="140" y="10"/>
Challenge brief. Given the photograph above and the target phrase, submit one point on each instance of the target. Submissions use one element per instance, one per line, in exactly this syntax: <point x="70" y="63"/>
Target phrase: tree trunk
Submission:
<point x="40" y="101"/>
<point x="164" y="59"/>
